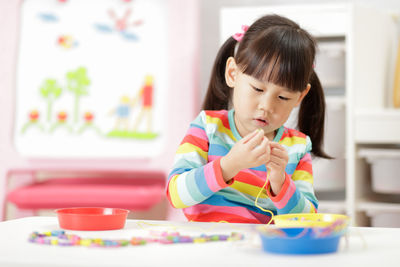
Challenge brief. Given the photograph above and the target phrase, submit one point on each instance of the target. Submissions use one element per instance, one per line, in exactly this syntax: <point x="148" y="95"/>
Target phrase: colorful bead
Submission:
<point x="124" y="242"/>
<point x="60" y="238"/>
<point x="223" y="237"/>
<point x="85" y="242"/>
<point x="199" y="240"/>
<point x="57" y="232"/>
<point x="214" y="238"/>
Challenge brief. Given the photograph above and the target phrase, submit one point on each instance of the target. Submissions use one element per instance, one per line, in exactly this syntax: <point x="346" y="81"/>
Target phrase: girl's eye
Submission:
<point x="258" y="89"/>
<point x="283" y="98"/>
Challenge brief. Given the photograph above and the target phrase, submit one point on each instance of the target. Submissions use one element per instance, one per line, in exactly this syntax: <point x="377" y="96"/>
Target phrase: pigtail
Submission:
<point x="218" y="92"/>
<point x="311" y="119"/>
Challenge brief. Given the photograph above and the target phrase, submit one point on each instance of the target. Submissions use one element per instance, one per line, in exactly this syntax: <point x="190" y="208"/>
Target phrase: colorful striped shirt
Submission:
<point x="196" y="184"/>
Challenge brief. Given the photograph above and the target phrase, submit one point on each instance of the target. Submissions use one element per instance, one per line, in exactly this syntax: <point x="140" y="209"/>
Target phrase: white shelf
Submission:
<point x="378" y="207"/>
<point x="380" y="126"/>
<point x="372" y="154"/>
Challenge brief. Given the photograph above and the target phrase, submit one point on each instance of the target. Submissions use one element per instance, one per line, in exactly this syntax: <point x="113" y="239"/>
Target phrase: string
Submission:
<point x="256" y="200"/>
<point x="301" y="234"/>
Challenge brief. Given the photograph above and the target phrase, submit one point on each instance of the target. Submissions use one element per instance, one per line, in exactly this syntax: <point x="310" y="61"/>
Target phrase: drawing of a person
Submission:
<point x="122" y="111"/>
<point x="146" y="95"/>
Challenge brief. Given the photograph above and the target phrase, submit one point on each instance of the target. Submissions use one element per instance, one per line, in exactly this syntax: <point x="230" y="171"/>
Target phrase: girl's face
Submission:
<point x="258" y="104"/>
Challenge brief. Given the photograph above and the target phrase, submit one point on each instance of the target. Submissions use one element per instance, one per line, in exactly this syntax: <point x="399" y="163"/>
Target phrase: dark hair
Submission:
<point x="277" y="50"/>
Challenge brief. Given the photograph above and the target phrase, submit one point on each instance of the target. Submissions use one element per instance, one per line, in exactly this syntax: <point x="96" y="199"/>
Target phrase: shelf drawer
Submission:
<point x="385" y="169"/>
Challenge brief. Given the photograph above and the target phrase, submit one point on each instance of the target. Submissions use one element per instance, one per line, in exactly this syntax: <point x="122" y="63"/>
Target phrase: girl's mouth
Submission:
<point x="261" y="122"/>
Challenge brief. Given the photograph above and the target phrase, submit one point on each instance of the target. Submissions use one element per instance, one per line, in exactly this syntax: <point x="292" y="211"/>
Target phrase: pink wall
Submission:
<point x="183" y="99"/>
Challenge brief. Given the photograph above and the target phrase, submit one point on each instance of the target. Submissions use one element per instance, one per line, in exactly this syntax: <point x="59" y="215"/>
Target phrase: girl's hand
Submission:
<point x="251" y="151"/>
<point x="276" y="166"/>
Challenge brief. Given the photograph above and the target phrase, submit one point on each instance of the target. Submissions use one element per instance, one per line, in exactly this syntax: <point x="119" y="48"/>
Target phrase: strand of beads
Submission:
<point x="61" y="238"/>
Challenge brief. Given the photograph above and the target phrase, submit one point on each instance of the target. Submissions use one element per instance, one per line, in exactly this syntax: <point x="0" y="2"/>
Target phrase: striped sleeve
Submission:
<point x="297" y="193"/>
<point x="193" y="179"/>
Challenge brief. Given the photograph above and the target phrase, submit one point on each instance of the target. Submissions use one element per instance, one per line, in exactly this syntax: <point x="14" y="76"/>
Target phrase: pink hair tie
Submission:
<point x="239" y="35"/>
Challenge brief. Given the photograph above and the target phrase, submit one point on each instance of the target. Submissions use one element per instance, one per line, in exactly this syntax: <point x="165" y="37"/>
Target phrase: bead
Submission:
<point x="114" y="243"/>
<point x="108" y="243"/>
<point x="134" y="241"/>
<point x="214" y="238"/>
<point x="223" y="237"/>
<point x="124" y="242"/>
<point x="57" y="232"/>
<point x="85" y="242"/>
<point x="186" y="239"/>
<point x="165" y="241"/>
<point x="199" y="240"/>
<point x="64" y="242"/>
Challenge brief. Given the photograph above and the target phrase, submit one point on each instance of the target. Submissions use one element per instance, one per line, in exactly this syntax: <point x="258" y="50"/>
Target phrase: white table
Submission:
<point x="381" y="247"/>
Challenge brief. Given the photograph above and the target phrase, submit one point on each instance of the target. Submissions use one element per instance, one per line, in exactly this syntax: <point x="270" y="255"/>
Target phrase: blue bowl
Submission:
<point x="299" y="241"/>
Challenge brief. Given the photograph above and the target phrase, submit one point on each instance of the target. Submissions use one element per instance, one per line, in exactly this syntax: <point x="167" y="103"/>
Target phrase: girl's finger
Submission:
<point x="261" y="149"/>
<point x="278" y="152"/>
<point x="276" y="145"/>
<point x="256" y="140"/>
<point x="278" y="149"/>
<point x="249" y="136"/>
<point x="272" y="165"/>
<point x="277" y="160"/>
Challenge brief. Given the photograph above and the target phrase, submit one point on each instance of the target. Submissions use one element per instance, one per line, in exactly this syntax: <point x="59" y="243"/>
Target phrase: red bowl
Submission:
<point x="91" y="218"/>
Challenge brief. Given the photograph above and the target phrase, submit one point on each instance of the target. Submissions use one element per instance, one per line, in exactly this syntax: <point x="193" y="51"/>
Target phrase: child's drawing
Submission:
<point x="99" y="97"/>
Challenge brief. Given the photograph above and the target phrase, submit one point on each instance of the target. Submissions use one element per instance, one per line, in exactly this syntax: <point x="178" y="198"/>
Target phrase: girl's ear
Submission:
<point x="303" y="94"/>
<point x="231" y="72"/>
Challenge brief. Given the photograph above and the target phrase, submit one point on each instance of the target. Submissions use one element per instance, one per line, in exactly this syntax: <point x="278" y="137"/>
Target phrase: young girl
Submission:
<point x="237" y="145"/>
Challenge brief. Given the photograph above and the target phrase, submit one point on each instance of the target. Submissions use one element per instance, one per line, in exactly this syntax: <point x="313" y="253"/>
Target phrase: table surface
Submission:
<point x="365" y="247"/>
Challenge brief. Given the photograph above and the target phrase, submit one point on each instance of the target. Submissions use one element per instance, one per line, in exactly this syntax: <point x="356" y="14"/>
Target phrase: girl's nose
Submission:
<point x="266" y="104"/>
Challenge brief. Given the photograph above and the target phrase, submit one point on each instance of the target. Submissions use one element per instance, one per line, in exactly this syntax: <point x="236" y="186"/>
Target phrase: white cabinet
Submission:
<point x="358" y="46"/>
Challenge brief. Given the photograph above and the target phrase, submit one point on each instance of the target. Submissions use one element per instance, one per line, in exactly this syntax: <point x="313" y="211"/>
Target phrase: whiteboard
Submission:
<point x="91" y="79"/>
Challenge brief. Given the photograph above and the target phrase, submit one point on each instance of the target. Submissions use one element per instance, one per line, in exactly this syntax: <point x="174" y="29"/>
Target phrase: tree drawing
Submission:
<point x="77" y="82"/>
<point x="50" y="90"/>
